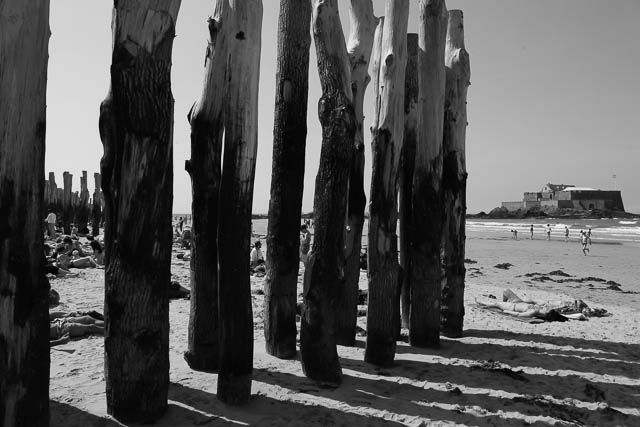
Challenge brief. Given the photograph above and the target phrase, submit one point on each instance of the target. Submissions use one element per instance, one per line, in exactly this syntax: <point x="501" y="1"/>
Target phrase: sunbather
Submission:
<point x="547" y="310"/>
<point x="64" y="325"/>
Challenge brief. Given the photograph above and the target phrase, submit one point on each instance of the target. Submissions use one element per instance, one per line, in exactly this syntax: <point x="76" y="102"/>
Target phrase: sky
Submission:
<point x="553" y="98"/>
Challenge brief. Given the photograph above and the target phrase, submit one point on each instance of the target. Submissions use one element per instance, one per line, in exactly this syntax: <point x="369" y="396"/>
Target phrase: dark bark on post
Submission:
<point x="287" y="178"/>
<point x="82" y="211"/>
<point x="67" y="202"/>
<point x="406" y="173"/>
<point x="363" y="27"/>
<point x="236" y="194"/>
<point x="207" y="128"/>
<point x="324" y="275"/>
<point x="136" y="128"/>
<point x="50" y="193"/>
<point x="383" y="311"/>
<point x="428" y="216"/>
<point x="24" y="318"/>
<point x="96" y="215"/>
<point x="454" y="176"/>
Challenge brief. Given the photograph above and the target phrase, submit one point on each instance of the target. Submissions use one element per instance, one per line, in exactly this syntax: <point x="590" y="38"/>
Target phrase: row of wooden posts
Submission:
<point x="73" y="207"/>
<point x="418" y="133"/>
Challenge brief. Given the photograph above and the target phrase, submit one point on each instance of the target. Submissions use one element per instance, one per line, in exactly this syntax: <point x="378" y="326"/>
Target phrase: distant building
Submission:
<point x="569" y="197"/>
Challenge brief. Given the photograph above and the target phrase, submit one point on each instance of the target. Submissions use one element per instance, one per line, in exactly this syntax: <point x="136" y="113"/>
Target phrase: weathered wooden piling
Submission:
<point x="24" y="318"/>
<point x="136" y="128"/>
<point x="204" y="168"/>
<point x="383" y="312"/>
<point x="406" y="173"/>
<point x="363" y="27"/>
<point x="454" y="176"/>
<point x="428" y="214"/>
<point x="236" y="192"/>
<point x="287" y="178"/>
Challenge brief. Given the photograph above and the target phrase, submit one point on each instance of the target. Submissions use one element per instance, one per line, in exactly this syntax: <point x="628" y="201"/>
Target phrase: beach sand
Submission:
<point x="504" y="371"/>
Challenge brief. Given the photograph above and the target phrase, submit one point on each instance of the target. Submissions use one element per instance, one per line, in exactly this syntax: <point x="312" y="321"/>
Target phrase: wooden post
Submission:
<point x="96" y="216"/>
<point x="207" y="128"/>
<point x="322" y="280"/>
<point x="82" y="212"/>
<point x="363" y="26"/>
<point x="383" y="311"/>
<point x="136" y="128"/>
<point x="24" y="317"/>
<point x="236" y="192"/>
<point x="67" y="200"/>
<point x="454" y="175"/>
<point x="406" y="173"/>
<point x="287" y="178"/>
<point x="426" y="271"/>
<point x="51" y="199"/>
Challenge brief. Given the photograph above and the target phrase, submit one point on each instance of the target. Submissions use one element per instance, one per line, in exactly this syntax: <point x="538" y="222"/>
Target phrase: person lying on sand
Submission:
<point x="546" y="310"/>
<point x="64" y="325"/>
<point x="76" y="261"/>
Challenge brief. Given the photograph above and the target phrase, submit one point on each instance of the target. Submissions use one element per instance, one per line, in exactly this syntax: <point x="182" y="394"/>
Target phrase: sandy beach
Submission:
<point x="504" y="371"/>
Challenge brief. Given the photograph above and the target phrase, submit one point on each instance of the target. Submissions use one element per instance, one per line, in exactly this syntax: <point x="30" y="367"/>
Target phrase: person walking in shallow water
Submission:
<point x="566" y="233"/>
<point x="589" y="236"/>
<point x="531" y="237"/>
<point x="548" y="232"/>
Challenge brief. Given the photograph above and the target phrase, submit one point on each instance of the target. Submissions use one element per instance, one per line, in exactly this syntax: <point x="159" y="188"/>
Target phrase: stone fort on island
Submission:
<point x="561" y="196"/>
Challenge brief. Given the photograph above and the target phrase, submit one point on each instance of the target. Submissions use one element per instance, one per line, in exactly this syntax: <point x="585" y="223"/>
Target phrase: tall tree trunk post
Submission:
<point x="50" y="194"/>
<point x="96" y="215"/>
<point x="363" y="27"/>
<point x="236" y="192"/>
<point x="24" y="317"/>
<point x="207" y="127"/>
<point x="406" y="173"/>
<point x="136" y="128"/>
<point x="67" y="202"/>
<point x="324" y="275"/>
<point x="383" y="312"/>
<point x="82" y="214"/>
<point x="287" y="178"/>
<point x="454" y="175"/>
<point x="428" y="216"/>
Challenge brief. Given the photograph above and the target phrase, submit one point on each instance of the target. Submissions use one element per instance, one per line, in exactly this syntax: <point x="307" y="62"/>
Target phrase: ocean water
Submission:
<point x="623" y="231"/>
<point x="620" y="231"/>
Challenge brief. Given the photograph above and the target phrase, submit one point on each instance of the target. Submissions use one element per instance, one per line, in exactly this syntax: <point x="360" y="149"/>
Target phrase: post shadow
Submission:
<point x="261" y="410"/>
<point x="530" y="356"/>
<point x="403" y="398"/>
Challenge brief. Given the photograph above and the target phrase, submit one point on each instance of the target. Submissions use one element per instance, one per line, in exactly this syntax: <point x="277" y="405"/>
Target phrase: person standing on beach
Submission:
<point x="51" y="224"/>
<point x="305" y="243"/>
<point x="589" y="236"/>
<point x="548" y="232"/>
<point x="584" y="239"/>
<point x="566" y="233"/>
<point x="531" y="237"/>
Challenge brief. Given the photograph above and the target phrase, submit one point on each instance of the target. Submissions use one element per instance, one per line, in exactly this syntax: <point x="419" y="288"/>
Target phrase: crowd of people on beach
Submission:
<point x="76" y="250"/>
<point x="584" y="236"/>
